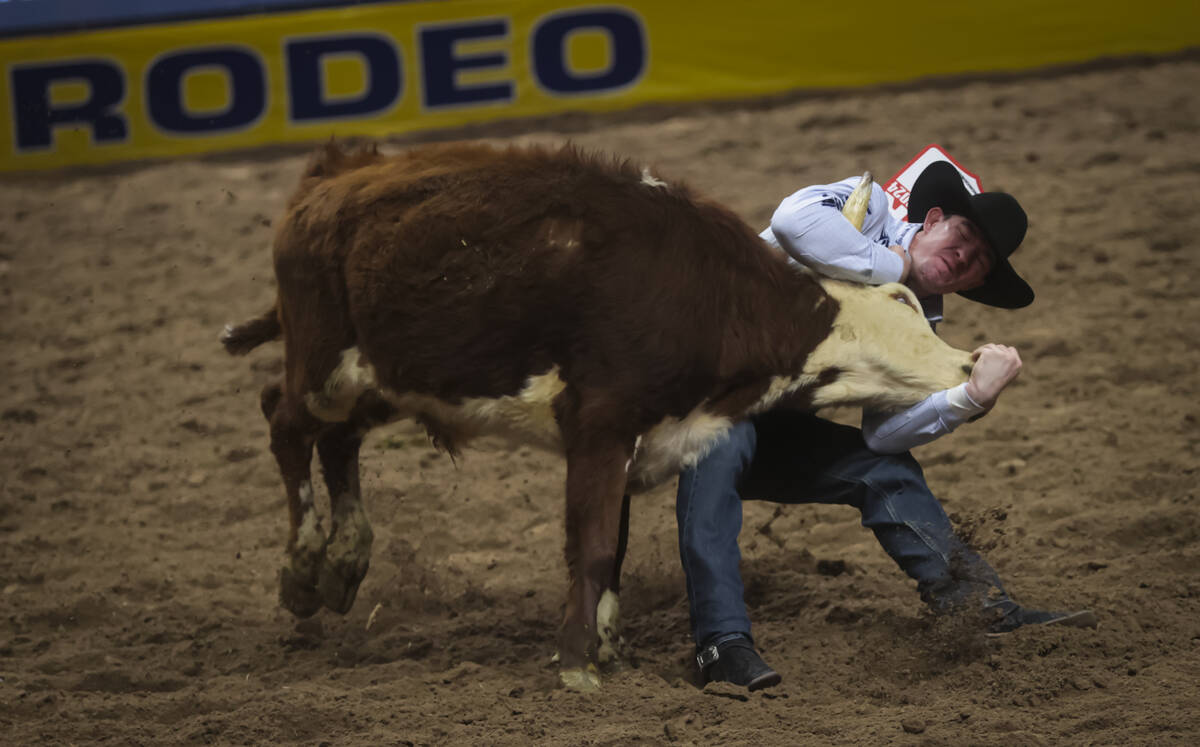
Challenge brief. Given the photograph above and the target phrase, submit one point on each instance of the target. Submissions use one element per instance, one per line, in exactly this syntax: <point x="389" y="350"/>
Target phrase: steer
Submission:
<point x="562" y="299"/>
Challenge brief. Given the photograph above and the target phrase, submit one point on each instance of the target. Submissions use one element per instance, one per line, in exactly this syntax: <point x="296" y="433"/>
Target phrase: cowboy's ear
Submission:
<point x="933" y="216"/>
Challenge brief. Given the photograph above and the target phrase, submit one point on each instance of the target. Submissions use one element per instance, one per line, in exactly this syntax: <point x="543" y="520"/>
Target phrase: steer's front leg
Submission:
<point x="608" y="623"/>
<point x="595" y="486"/>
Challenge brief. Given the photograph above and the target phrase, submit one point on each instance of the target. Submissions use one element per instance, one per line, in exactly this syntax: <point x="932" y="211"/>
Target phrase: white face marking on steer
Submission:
<point x="883" y="349"/>
<point x="779" y="387"/>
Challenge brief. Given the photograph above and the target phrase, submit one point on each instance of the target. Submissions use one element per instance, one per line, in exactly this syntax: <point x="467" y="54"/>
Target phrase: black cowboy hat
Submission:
<point x="997" y="214"/>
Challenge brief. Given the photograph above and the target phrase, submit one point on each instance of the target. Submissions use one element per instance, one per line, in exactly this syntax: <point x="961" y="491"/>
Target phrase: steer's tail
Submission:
<point x="250" y="334"/>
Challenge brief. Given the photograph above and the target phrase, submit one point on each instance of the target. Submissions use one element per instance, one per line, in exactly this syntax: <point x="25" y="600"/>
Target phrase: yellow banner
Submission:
<point x="384" y="69"/>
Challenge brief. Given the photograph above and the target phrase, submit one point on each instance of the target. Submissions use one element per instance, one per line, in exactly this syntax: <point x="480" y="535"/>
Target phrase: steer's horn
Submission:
<point x="855" y="209"/>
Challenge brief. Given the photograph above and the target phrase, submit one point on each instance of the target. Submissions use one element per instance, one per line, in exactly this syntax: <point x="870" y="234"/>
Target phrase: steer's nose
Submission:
<point x="967" y="368"/>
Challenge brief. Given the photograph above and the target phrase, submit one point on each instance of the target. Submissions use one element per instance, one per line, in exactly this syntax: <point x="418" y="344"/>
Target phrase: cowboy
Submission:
<point x="953" y="242"/>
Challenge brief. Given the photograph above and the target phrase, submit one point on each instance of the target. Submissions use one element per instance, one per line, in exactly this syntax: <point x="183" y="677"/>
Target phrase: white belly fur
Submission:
<point x="679" y="443"/>
<point x="528" y="417"/>
<point x="674" y="444"/>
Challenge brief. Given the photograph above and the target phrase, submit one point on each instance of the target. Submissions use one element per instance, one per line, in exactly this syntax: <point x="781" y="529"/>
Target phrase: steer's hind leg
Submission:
<point x="348" y="553"/>
<point x="317" y="335"/>
<point x="292" y="434"/>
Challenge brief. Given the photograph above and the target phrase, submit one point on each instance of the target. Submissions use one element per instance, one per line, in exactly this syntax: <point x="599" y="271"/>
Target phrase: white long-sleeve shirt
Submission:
<point x="809" y="226"/>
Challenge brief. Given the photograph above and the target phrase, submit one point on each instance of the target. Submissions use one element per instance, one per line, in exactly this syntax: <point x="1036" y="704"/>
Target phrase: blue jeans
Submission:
<point x="790" y="457"/>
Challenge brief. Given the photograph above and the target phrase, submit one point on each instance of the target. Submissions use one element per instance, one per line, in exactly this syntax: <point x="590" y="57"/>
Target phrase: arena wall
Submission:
<point x="132" y="86"/>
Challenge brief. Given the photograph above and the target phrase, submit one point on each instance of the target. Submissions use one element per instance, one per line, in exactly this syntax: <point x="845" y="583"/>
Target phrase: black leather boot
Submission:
<point x="735" y="661"/>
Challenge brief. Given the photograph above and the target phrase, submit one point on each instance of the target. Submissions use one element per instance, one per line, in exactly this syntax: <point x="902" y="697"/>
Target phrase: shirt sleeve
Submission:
<point x="810" y="227"/>
<point x="929" y="419"/>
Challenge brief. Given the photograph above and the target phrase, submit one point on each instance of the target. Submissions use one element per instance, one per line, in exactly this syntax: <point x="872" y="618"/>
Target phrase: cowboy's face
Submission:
<point x="949" y="254"/>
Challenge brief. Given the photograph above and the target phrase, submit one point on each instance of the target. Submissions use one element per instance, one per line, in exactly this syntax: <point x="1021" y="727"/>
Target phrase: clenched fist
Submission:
<point x="995" y="368"/>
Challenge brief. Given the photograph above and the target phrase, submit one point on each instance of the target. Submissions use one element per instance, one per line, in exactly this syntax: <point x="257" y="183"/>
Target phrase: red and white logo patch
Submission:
<point x="900" y="185"/>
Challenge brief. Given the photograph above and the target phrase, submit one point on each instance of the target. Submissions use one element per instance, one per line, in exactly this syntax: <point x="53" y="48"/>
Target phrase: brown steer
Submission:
<point x="565" y="300"/>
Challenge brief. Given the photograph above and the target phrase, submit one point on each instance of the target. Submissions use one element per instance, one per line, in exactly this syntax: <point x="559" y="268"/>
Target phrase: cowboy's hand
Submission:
<point x="995" y="368"/>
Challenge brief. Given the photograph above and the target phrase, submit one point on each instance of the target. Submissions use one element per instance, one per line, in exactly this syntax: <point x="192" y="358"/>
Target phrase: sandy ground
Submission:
<point x="142" y="520"/>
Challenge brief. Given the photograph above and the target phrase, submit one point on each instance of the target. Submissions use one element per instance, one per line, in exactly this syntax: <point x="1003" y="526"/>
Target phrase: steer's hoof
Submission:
<point x="345" y="561"/>
<point x="337" y="585"/>
<point x="581" y="679"/>
<point x="296" y="595"/>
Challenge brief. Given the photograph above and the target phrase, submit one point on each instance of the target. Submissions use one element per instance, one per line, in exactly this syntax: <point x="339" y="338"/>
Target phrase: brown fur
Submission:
<point x="461" y="270"/>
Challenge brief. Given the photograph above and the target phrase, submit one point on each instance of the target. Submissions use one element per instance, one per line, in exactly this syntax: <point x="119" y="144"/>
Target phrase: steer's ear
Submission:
<point x="325" y="161"/>
<point x="365" y="154"/>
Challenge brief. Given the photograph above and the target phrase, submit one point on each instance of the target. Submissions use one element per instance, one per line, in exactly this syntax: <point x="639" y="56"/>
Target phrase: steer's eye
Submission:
<point x="903" y="299"/>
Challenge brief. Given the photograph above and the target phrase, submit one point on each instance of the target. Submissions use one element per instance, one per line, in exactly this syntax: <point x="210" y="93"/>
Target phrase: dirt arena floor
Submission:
<point x="142" y="519"/>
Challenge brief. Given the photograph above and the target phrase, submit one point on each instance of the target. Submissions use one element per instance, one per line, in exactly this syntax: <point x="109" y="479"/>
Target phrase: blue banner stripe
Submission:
<point x="25" y="17"/>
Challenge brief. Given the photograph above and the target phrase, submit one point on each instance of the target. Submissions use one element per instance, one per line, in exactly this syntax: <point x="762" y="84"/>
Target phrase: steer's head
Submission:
<point x="881" y="352"/>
